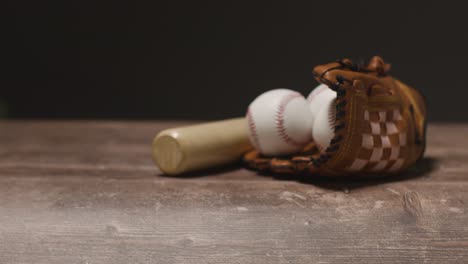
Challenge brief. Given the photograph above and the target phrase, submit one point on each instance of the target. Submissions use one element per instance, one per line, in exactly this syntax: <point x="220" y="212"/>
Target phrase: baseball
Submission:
<point x="318" y="97"/>
<point x="279" y="122"/>
<point x="323" y="129"/>
<point x="322" y="107"/>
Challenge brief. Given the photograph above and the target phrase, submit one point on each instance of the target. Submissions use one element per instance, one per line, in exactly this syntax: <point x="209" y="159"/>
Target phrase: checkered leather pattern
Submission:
<point x="383" y="144"/>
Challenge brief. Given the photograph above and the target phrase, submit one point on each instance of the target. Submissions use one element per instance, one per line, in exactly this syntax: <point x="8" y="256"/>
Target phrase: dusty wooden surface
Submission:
<point x="88" y="192"/>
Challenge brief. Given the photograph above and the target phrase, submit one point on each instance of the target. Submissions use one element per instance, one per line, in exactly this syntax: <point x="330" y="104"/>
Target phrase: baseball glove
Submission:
<point x="380" y="125"/>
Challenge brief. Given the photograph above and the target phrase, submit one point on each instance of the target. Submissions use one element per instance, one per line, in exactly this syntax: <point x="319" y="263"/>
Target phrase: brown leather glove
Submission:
<point x="380" y="125"/>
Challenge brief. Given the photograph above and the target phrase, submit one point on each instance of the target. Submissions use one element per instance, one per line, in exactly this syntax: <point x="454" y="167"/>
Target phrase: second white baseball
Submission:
<point x="319" y="97"/>
<point x="323" y="129"/>
<point x="279" y="122"/>
<point x="322" y="106"/>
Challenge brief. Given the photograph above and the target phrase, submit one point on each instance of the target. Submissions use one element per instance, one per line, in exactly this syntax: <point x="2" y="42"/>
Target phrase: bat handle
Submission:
<point x="202" y="146"/>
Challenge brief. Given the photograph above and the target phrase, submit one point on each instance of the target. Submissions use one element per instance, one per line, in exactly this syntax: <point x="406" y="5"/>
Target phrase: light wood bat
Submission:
<point x="184" y="149"/>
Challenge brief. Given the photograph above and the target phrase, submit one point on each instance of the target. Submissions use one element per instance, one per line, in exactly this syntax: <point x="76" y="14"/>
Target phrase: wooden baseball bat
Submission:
<point x="184" y="149"/>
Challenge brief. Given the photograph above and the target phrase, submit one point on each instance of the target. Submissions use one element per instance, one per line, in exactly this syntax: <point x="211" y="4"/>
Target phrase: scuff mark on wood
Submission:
<point x="293" y="198"/>
<point x="412" y="204"/>
<point x="393" y="191"/>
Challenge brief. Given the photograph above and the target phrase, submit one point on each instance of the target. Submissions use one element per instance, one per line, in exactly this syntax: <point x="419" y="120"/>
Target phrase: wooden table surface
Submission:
<point x="88" y="192"/>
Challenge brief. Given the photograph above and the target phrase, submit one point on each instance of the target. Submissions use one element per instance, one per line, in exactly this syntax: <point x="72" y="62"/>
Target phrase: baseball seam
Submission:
<point x="253" y="130"/>
<point x="323" y="89"/>
<point x="279" y="118"/>
<point x="331" y="122"/>
<point x="332" y="115"/>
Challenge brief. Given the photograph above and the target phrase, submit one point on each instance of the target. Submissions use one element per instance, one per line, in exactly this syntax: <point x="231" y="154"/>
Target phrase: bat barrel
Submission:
<point x="185" y="149"/>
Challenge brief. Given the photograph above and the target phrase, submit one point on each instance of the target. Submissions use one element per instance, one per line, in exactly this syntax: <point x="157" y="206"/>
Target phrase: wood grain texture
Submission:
<point x="88" y="192"/>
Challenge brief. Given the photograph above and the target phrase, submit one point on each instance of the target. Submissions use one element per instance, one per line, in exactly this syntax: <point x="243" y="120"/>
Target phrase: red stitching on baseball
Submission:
<point x="280" y="121"/>
<point x="253" y="130"/>
<point x="322" y="89"/>
<point x="331" y="122"/>
<point x="332" y="114"/>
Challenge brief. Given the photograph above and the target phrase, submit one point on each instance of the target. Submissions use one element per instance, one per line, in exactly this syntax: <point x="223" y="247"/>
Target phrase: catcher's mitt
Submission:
<point x="380" y="125"/>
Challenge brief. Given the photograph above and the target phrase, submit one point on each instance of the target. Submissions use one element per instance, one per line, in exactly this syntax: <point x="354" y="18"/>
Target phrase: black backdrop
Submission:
<point x="198" y="60"/>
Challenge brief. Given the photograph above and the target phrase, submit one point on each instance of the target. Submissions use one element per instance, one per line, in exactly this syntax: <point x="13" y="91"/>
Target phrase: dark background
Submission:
<point x="198" y="60"/>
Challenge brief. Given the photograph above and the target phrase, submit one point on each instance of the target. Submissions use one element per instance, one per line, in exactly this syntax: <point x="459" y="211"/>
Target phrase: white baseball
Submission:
<point x="279" y="122"/>
<point x="322" y="107"/>
<point x="323" y="129"/>
<point x="318" y="97"/>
